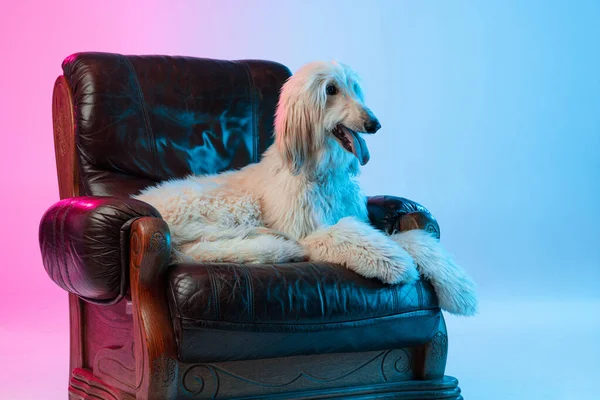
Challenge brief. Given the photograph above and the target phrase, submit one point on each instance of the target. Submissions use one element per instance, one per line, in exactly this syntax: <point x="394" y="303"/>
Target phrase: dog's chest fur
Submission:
<point x="298" y="208"/>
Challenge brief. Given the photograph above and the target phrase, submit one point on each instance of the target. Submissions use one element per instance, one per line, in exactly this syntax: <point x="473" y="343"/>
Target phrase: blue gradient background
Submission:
<point x="491" y="119"/>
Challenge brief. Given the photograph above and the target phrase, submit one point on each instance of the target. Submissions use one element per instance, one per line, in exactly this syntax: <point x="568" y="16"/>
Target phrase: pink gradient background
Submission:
<point x="504" y="97"/>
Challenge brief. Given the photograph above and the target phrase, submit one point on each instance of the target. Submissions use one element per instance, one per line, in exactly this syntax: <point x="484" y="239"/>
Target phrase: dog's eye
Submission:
<point x="331" y="90"/>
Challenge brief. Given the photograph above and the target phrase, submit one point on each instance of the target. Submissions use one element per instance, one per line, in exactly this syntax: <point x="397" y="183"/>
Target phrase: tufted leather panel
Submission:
<point x="296" y="308"/>
<point x="84" y="243"/>
<point x="144" y="119"/>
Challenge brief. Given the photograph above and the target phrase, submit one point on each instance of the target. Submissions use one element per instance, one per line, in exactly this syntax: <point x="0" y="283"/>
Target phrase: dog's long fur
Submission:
<point x="302" y="200"/>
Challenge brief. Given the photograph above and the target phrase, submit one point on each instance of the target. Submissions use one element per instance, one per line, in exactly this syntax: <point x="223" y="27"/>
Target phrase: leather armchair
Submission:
<point x="142" y="328"/>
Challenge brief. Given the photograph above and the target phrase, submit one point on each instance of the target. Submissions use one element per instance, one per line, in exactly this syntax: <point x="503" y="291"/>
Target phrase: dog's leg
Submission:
<point x="256" y="247"/>
<point x="362" y="249"/>
<point x="454" y="288"/>
<point x="199" y="231"/>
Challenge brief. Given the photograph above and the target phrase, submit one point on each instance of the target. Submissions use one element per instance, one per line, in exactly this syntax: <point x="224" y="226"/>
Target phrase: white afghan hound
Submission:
<point x="302" y="200"/>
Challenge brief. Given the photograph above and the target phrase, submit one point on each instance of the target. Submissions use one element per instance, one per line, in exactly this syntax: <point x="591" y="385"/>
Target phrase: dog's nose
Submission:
<point x="372" y="125"/>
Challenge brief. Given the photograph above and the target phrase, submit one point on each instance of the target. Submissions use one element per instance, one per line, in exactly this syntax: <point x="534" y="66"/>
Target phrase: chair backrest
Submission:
<point x="138" y="120"/>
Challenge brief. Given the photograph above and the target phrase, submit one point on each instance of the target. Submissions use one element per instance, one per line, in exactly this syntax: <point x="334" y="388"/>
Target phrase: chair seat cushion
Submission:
<point x="226" y="312"/>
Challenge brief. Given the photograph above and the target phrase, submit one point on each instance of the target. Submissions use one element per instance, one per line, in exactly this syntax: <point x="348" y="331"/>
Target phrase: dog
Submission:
<point x="302" y="201"/>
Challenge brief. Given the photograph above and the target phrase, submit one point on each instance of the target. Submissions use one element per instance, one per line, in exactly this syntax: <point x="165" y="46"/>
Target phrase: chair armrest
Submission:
<point x="396" y="214"/>
<point x="84" y="243"/>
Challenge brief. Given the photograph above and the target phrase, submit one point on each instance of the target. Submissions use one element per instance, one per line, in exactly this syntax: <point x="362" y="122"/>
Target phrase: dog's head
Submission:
<point x="321" y="110"/>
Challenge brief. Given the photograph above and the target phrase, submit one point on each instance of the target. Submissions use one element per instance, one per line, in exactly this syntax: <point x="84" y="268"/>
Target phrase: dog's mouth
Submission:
<point x="352" y="142"/>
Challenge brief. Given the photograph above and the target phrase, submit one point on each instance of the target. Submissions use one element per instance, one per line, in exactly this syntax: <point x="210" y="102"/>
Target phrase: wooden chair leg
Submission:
<point x="432" y="355"/>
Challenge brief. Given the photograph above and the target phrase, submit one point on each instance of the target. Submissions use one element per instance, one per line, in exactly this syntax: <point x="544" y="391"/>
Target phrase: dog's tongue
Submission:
<point x="359" y="147"/>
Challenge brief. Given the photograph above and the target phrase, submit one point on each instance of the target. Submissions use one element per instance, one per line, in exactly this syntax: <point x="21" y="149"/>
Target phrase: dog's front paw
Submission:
<point x="455" y="290"/>
<point x="392" y="265"/>
<point x="398" y="269"/>
<point x="458" y="296"/>
<point x="362" y="249"/>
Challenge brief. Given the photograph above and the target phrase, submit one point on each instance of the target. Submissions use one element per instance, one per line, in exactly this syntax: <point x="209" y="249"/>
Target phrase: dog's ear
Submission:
<point x="294" y="131"/>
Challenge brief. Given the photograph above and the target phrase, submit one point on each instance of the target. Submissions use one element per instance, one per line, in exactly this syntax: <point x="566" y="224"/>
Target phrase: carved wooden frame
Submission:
<point x="154" y="340"/>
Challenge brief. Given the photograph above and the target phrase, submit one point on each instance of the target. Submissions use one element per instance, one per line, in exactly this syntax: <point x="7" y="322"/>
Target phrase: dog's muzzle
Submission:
<point x="372" y="125"/>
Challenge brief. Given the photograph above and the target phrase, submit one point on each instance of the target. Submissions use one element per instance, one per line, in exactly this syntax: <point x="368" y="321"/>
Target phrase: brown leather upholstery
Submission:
<point x="225" y="312"/>
<point x="386" y="212"/>
<point x="144" y="119"/>
<point x="85" y="245"/>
